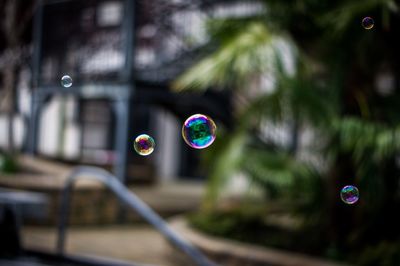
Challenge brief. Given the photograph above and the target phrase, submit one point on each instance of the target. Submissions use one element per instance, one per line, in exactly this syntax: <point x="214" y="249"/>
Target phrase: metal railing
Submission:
<point x="132" y="201"/>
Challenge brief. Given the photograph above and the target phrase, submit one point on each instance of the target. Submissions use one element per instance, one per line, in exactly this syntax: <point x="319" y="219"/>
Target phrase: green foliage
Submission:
<point x="332" y="91"/>
<point x="227" y="222"/>
<point x="367" y="140"/>
<point x="8" y="164"/>
<point x="244" y="226"/>
<point x="251" y="226"/>
<point x="224" y="160"/>
<point x="294" y="97"/>
<point x="383" y="254"/>
<point x="276" y="171"/>
<point x="246" y="49"/>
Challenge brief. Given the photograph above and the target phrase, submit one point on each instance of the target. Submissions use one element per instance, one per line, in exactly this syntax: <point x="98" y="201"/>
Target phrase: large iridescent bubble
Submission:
<point x="349" y="194"/>
<point x="199" y="131"/>
<point x="144" y="144"/>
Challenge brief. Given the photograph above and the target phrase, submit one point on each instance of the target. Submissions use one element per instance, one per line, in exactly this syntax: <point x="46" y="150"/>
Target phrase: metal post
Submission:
<point x="35" y="99"/>
<point x="121" y="110"/>
<point x="64" y="215"/>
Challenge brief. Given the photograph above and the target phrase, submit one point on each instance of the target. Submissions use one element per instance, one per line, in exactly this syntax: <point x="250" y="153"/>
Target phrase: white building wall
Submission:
<point x="72" y="134"/>
<point x="50" y="127"/>
<point x="167" y="135"/>
<point x="19" y="131"/>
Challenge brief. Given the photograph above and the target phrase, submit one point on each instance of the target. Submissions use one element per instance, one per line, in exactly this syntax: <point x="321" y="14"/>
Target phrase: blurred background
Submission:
<point x="306" y="100"/>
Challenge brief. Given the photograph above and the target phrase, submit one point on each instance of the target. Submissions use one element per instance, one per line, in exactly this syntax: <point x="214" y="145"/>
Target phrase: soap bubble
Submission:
<point x="66" y="81"/>
<point x="367" y="23"/>
<point x="144" y="144"/>
<point x="349" y="194"/>
<point x="199" y="131"/>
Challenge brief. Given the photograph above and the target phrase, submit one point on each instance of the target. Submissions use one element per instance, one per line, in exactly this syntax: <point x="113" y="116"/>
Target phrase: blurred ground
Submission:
<point x="94" y="210"/>
<point x="138" y="243"/>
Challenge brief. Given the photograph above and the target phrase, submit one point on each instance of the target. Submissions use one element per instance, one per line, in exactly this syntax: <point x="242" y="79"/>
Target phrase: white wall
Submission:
<point x="167" y="135"/>
<point x="51" y="125"/>
<point x="49" y="128"/>
<point x="19" y="131"/>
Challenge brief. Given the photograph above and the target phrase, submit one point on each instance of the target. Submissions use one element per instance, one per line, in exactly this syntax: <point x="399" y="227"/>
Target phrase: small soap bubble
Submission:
<point x="144" y="144"/>
<point x="367" y="23"/>
<point x="199" y="131"/>
<point x="66" y="81"/>
<point x="349" y="194"/>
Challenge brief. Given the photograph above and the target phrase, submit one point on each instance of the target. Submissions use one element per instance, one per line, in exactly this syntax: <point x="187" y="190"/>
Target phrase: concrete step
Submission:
<point x="92" y="203"/>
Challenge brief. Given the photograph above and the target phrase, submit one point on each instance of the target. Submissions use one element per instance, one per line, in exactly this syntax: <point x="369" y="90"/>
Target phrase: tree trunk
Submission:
<point x="9" y="25"/>
<point x="9" y="75"/>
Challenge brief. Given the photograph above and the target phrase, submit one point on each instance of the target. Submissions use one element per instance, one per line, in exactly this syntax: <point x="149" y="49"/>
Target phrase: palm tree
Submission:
<point x="339" y="89"/>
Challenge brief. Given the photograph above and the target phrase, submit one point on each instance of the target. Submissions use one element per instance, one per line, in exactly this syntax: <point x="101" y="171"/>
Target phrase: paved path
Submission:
<point x="138" y="243"/>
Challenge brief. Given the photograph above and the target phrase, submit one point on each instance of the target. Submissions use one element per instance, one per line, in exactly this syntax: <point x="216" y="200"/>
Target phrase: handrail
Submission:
<point x="130" y="199"/>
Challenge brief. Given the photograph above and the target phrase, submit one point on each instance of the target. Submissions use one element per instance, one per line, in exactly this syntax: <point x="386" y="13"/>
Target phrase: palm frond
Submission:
<point x="226" y="160"/>
<point x="281" y="175"/>
<point x="295" y="97"/>
<point x="271" y="167"/>
<point x="367" y="139"/>
<point x="245" y="53"/>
